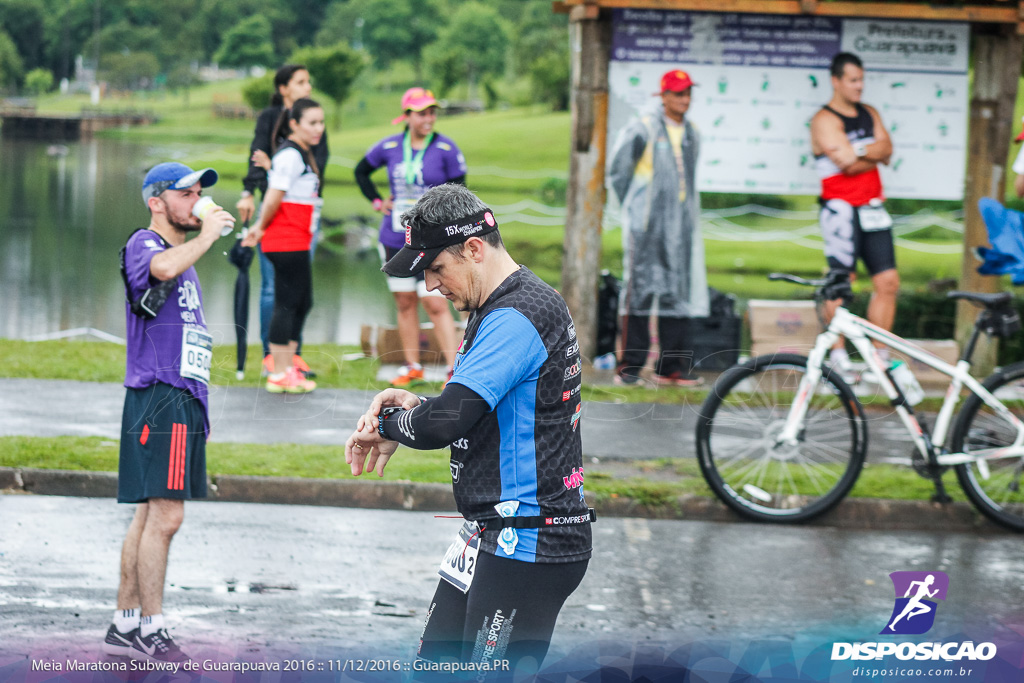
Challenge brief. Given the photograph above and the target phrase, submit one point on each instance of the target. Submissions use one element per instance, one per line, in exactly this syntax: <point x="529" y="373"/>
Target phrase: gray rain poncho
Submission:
<point x="663" y="249"/>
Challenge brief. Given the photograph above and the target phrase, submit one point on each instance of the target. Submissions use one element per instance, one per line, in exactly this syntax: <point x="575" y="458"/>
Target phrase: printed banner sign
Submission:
<point x="760" y="79"/>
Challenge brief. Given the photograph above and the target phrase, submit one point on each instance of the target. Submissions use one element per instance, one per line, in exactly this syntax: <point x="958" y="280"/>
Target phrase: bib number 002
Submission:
<point x="459" y="564"/>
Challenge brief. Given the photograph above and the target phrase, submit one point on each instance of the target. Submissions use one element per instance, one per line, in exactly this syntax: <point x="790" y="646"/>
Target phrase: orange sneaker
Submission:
<point x="408" y="377"/>
<point x="268" y="366"/>
<point x="301" y="366"/>
<point x="290" y="382"/>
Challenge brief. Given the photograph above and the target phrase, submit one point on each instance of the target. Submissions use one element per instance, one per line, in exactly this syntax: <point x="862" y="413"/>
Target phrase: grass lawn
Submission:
<point x="271" y="460"/>
<point x="650" y="482"/>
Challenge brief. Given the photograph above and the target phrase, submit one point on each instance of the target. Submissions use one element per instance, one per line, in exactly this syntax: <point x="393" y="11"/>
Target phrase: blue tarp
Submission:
<point x="1006" y="233"/>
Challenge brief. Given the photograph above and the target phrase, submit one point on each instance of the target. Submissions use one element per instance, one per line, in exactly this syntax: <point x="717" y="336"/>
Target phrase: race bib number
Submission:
<point x="459" y="564"/>
<point x="196" y="354"/>
<point x="874" y="218"/>
<point x="399" y="207"/>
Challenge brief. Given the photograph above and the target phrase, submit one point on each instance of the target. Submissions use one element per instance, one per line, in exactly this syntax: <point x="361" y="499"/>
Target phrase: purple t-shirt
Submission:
<point x="441" y="162"/>
<point x="174" y="347"/>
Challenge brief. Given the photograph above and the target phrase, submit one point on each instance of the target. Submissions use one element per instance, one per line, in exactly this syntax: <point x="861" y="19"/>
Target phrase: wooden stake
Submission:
<point x="590" y="41"/>
<point x="996" y="56"/>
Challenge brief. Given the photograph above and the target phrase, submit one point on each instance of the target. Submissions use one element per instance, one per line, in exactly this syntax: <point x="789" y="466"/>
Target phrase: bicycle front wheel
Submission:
<point x="754" y="474"/>
<point x="994" y="486"/>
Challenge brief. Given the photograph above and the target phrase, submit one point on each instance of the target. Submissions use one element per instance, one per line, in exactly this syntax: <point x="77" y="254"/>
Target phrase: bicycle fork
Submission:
<point x="791" y="431"/>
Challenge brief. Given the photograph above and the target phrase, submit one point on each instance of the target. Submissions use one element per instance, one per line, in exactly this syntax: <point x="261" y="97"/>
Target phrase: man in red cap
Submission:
<point x="652" y="171"/>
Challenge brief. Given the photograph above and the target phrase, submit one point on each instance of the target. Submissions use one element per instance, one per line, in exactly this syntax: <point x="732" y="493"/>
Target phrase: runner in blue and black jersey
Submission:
<point x="511" y="414"/>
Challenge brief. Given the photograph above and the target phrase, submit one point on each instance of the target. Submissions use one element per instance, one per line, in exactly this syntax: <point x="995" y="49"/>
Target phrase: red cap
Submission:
<point x="1020" y="136"/>
<point x="675" y="81"/>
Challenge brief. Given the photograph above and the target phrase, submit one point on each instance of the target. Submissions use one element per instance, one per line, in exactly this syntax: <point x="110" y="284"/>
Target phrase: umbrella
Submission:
<point x="241" y="258"/>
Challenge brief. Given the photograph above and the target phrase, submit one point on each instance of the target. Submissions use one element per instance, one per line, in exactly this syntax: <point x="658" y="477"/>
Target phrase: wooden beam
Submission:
<point x="981" y="14"/>
<point x="996" y="58"/>
<point x="808" y="6"/>
<point x="590" y="45"/>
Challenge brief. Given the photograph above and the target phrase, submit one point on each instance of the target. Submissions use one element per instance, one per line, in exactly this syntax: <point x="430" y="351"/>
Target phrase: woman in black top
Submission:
<point x="291" y="83"/>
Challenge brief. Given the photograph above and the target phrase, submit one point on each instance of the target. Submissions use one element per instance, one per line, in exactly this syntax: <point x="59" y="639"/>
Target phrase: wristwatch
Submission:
<point x="384" y="415"/>
<point x="377" y="203"/>
<point x="246" y="193"/>
<point x="860" y="149"/>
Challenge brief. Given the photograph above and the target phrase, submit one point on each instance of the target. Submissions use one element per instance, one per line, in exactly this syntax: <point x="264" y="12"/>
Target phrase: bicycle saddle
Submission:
<point x="987" y="300"/>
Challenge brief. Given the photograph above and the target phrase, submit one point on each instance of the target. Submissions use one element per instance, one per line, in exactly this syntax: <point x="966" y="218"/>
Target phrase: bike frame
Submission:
<point x="860" y="332"/>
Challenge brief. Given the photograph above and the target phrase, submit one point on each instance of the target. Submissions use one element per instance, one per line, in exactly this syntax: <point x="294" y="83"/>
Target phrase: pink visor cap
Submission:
<point x="415" y="99"/>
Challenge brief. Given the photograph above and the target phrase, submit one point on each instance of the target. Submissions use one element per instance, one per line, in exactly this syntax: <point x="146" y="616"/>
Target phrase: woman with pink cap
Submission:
<point x="417" y="159"/>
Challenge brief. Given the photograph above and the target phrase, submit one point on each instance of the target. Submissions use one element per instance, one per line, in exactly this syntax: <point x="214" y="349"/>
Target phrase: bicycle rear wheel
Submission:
<point x="737" y="428"/>
<point x="995" y="490"/>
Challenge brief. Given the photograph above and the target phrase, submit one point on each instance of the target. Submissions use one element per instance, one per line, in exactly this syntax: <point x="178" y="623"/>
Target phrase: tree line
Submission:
<point x="151" y="44"/>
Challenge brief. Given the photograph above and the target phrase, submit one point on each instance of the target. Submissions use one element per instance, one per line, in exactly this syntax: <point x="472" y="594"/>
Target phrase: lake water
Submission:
<point x="66" y="211"/>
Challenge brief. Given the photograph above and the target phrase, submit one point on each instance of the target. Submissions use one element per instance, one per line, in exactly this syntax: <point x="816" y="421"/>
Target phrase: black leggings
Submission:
<point x="293" y="295"/>
<point x="508" y="614"/>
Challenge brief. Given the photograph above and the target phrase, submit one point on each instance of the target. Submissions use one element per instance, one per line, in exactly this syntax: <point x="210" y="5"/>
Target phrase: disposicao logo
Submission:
<point x="914" y="611"/>
<point x="916" y="595"/>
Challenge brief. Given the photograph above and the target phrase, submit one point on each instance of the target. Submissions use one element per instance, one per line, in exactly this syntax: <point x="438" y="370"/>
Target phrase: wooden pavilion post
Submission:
<point x="590" y="40"/>
<point x="997" y="58"/>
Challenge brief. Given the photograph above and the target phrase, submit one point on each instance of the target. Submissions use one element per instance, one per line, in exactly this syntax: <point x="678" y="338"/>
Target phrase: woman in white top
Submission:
<point x="288" y="217"/>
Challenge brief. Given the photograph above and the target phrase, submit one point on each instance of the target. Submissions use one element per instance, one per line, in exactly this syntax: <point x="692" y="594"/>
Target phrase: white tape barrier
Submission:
<point x="79" y="332"/>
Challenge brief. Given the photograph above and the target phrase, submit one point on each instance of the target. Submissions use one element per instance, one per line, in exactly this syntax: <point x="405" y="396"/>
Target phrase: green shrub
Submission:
<point x="257" y="91"/>
<point x="39" y="81"/>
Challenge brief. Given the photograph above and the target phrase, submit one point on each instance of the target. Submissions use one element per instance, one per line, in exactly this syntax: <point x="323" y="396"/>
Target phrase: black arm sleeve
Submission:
<point x="256" y="178"/>
<point x="439" y="421"/>
<point x="362" y="173"/>
<point x="459" y="180"/>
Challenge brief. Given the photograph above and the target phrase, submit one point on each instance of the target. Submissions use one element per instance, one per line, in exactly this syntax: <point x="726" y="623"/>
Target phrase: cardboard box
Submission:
<point x="784" y="320"/>
<point x="946" y="349"/>
<point x="382" y="341"/>
<point x="770" y="346"/>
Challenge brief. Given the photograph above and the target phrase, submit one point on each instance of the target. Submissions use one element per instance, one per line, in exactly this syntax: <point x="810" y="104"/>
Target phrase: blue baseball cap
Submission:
<point x="171" y="175"/>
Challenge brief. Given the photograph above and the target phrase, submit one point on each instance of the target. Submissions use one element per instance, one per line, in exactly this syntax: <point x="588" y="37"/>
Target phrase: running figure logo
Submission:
<point x="916" y="593"/>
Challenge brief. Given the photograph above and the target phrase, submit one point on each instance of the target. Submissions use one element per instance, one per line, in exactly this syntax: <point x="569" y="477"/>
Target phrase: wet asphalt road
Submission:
<point x="275" y="581"/>
<point x="31" y="407"/>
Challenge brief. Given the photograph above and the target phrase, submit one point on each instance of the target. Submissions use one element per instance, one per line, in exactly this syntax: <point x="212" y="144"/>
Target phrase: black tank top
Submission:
<point x="857" y="128"/>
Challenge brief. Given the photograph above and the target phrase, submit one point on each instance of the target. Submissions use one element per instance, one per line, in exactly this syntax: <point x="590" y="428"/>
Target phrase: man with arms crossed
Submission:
<point x="849" y="141"/>
<point x="166" y="416"/>
<point x="511" y="416"/>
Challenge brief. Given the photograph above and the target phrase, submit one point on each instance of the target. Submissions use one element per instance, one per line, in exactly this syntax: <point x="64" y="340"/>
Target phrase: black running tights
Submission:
<point x="293" y="295"/>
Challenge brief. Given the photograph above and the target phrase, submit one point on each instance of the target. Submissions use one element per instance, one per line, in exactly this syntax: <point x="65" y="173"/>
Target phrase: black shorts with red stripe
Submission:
<point x="163" y="445"/>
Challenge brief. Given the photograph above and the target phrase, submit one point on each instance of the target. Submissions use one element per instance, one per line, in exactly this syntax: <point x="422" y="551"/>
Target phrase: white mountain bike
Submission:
<point x="782" y="438"/>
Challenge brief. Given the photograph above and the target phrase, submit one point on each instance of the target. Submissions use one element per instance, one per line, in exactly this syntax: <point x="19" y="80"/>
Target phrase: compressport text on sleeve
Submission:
<point x="439" y="421"/>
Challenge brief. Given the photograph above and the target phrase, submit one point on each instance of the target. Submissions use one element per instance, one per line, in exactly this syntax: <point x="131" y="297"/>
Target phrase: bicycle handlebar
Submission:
<point x="797" y="280"/>
<point x="835" y="285"/>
